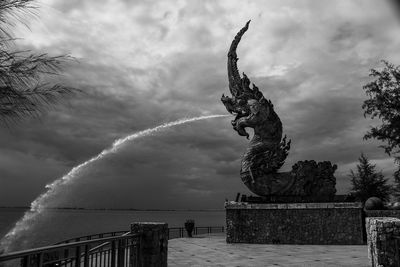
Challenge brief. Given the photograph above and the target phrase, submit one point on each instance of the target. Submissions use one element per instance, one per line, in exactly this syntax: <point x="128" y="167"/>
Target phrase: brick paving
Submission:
<point x="212" y="250"/>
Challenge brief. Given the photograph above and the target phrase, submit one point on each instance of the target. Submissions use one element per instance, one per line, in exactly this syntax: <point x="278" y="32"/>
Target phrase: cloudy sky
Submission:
<point x="143" y="63"/>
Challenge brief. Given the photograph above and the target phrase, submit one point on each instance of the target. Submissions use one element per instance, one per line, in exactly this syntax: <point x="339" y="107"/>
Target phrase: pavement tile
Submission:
<point x="212" y="250"/>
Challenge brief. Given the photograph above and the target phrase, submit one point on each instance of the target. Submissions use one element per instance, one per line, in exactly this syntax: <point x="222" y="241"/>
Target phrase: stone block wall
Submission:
<point x="383" y="245"/>
<point x="297" y="223"/>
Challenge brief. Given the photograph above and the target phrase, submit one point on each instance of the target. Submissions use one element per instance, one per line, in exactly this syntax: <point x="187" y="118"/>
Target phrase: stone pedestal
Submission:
<point x="294" y="223"/>
<point x="383" y="213"/>
<point x="153" y="248"/>
<point x="383" y="241"/>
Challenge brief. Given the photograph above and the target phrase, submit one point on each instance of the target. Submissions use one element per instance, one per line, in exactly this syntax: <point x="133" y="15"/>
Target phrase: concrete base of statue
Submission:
<point x="295" y="223"/>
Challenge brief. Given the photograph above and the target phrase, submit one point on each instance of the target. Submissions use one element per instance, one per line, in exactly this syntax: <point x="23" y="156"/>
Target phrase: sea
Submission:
<point x="64" y="224"/>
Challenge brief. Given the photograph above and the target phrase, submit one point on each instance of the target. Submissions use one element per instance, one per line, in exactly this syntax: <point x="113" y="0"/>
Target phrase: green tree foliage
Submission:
<point x="384" y="103"/>
<point x="367" y="182"/>
<point x="396" y="188"/>
<point x="25" y="89"/>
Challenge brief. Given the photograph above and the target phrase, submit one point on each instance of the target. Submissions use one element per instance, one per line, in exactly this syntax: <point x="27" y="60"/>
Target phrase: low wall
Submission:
<point x="383" y="247"/>
<point x="294" y="223"/>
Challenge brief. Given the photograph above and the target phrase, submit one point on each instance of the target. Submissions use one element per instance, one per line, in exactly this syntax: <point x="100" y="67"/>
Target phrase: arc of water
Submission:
<point x="38" y="205"/>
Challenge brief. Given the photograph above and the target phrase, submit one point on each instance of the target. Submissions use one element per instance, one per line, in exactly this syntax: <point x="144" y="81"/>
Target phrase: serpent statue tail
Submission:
<point x="267" y="149"/>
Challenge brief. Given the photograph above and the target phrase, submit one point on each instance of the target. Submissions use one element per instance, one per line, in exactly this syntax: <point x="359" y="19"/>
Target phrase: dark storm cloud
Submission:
<point x="143" y="63"/>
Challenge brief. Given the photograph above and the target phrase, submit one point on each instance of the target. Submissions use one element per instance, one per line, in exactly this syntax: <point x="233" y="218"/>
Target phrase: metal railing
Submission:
<point x="173" y="232"/>
<point x="108" y="251"/>
<point x="118" y="248"/>
<point x="179" y="232"/>
<point x="94" y="236"/>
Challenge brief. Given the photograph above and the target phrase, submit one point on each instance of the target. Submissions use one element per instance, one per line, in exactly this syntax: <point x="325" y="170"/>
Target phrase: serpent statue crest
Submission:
<point x="267" y="149"/>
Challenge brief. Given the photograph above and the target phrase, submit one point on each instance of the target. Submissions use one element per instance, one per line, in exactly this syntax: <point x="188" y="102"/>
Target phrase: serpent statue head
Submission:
<point x="267" y="150"/>
<point x="250" y="107"/>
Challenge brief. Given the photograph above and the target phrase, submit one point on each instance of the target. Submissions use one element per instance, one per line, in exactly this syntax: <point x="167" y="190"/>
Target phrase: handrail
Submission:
<point x="19" y="254"/>
<point x="203" y="227"/>
<point x="179" y="232"/>
<point x="89" y="237"/>
<point x="106" y="243"/>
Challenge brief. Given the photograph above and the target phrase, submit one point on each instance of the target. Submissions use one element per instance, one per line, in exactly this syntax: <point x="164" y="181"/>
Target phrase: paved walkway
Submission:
<point x="214" y="251"/>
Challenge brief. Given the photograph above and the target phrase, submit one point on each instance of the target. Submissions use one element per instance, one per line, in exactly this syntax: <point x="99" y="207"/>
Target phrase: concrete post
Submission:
<point x="383" y="242"/>
<point x="153" y="248"/>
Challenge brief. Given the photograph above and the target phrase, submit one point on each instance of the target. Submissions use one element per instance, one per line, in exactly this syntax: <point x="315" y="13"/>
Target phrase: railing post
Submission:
<point x="113" y="253"/>
<point x="25" y="261"/>
<point x="78" y="256"/>
<point x="40" y="259"/>
<point x="121" y="254"/>
<point x="86" y="257"/>
<point x="153" y="243"/>
<point x="66" y="253"/>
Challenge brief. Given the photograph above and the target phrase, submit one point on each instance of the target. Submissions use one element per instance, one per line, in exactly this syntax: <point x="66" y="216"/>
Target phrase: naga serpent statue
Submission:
<point x="267" y="149"/>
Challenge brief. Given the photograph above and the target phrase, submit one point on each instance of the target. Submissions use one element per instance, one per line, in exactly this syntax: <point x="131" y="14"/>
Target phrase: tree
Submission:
<point x="396" y="187"/>
<point x="384" y="103"/>
<point x="23" y="89"/>
<point x="367" y="182"/>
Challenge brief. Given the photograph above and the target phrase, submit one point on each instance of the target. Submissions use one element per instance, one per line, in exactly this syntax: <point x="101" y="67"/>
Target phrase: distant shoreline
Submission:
<point x="115" y="209"/>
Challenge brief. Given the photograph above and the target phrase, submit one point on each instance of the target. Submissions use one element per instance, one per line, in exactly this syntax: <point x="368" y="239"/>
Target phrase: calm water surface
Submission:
<point x="65" y="224"/>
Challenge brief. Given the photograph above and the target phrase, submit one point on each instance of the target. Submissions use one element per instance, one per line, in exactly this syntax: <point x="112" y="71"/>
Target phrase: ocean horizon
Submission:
<point x="58" y="224"/>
